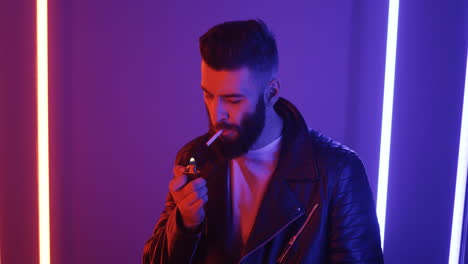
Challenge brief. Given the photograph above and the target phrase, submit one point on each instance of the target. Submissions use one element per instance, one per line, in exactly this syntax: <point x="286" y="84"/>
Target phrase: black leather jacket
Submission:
<point x="318" y="207"/>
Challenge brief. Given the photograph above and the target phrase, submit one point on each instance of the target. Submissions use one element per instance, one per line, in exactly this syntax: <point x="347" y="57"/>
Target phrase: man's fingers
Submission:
<point x="194" y="196"/>
<point x="205" y="198"/>
<point x="178" y="170"/>
<point x="203" y="192"/>
<point x="189" y="199"/>
<point x="195" y="185"/>
<point x="177" y="182"/>
<point x="198" y="204"/>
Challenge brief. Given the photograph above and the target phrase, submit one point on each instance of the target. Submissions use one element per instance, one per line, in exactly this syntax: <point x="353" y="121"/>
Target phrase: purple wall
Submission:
<point x="18" y="184"/>
<point x="124" y="97"/>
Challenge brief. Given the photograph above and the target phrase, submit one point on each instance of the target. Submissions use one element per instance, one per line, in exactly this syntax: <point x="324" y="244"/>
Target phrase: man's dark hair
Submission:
<point x="236" y="44"/>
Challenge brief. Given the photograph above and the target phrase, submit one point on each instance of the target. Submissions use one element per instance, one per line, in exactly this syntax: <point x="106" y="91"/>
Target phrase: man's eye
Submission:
<point x="208" y="96"/>
<point x="234" y="101"/>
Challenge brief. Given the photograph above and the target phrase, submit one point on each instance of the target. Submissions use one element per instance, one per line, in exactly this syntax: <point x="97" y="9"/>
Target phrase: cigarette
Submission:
<point x="214" y="137"/>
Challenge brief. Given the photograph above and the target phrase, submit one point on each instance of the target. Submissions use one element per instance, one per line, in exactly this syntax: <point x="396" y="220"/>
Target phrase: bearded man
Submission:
<point x="279" y="192"/>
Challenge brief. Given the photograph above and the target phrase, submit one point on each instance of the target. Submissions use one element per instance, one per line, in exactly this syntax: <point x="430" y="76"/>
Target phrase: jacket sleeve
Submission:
<point x="170" y="242"/>
<point x="354" y="235"/>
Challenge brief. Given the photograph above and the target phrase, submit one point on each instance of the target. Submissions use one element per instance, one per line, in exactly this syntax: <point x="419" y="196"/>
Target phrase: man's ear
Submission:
<point x="271" y="93"/>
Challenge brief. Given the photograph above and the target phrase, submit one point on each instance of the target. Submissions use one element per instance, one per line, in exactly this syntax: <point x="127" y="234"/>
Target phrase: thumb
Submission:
<point x="178" y="170"/>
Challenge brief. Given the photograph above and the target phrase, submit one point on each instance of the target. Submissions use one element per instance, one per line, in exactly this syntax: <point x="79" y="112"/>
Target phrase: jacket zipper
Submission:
<point x="293" y="238"/>
<point x="268" y="240"/>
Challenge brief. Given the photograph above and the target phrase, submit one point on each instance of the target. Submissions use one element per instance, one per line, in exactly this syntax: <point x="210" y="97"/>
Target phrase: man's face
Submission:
<point x="235" y="104"/>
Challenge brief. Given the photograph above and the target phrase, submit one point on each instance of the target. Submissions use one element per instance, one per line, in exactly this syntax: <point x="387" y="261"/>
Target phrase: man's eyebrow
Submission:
<point x="225" y="95"/>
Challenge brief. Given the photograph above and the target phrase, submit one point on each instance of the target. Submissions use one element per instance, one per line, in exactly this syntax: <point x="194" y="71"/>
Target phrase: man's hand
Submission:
<point x="189" y="197"/>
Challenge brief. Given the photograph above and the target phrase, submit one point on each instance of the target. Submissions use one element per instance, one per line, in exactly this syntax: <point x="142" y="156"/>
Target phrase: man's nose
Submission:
<point x="220" y="113"/>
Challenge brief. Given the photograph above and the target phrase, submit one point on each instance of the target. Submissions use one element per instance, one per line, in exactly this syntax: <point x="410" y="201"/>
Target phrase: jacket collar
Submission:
<point x="296" y="148"/>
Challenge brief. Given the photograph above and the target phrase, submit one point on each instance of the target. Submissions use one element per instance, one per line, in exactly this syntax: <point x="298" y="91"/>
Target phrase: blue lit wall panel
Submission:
<point x="430" y="74"/>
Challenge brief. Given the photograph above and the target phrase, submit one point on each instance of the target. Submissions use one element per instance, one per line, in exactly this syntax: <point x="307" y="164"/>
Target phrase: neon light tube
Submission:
<point x="386" y="132"/>
<point x="43" y="132"/>
<point x="460" y="187"/>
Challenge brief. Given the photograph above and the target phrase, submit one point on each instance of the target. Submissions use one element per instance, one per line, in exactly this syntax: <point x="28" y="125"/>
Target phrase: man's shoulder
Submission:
<point x="330" y="151"/>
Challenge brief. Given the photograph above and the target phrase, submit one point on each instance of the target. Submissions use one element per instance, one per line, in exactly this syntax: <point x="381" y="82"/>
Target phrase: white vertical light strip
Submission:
<point x="386" y="132"/>
<point x="460" y="187"/>
<point x="43" y="132"/>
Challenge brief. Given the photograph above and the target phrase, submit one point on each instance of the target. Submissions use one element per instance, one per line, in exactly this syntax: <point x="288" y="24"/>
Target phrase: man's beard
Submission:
<point x="248" y="132"/>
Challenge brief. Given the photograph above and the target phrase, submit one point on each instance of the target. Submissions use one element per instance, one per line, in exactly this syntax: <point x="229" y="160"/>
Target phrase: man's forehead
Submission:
<point x="226" y="81"/>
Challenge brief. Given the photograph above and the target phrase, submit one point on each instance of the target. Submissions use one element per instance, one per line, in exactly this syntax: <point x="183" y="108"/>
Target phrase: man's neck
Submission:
<point x="271" y="131"/>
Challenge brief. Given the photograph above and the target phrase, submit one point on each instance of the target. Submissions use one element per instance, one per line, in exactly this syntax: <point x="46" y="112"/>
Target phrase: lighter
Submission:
<point x="191" y="169"/>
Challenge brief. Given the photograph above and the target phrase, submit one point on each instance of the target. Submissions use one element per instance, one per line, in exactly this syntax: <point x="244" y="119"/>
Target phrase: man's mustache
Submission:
<point x="226" y="127"/>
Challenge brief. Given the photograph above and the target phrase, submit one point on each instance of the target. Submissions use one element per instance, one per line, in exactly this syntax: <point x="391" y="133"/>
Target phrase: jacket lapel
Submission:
<point x="279" y="208"/>
<point x="284" y="200"/>
<point x="218" y="212"/>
